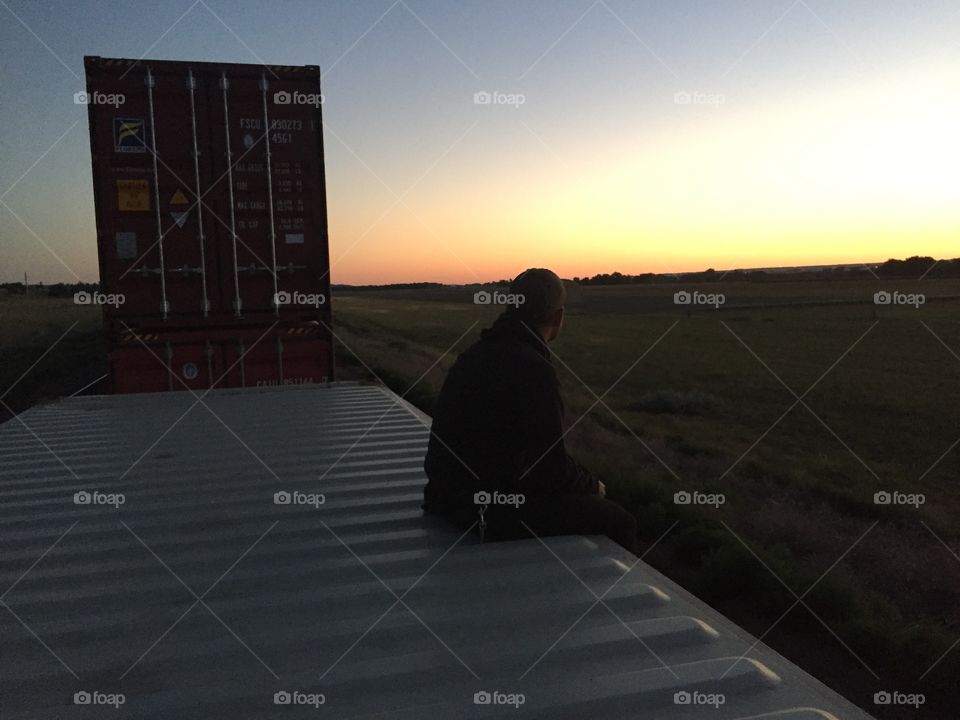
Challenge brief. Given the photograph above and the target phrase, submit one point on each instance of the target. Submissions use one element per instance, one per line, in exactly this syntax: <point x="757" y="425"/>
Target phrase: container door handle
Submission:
<point x="144" y="270"/>
<point x="252" y="268"/>
<point x="186" y="270"/>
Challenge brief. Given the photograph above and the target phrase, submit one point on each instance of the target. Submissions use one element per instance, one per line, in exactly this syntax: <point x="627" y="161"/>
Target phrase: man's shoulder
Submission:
<point x="505" y="354"/>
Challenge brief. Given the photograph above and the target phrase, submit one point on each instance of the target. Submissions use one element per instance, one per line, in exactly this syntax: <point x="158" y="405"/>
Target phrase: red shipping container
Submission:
<point x="239" y="356"/>
<point x="210" y="206"/>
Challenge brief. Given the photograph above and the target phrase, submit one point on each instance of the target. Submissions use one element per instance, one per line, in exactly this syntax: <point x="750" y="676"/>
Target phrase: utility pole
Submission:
<point x="25" y="286"/>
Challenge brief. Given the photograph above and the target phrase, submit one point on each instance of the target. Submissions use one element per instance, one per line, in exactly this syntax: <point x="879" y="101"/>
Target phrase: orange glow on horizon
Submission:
<point x="843" y="175"/>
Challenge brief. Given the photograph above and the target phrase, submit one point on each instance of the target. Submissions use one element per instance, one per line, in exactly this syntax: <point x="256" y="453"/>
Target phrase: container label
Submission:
<point x="180" y="215"/>
<point x="294" y="238"/>
<point x="129" y="135"/>
<point x="287" y="381"/>
<point x="126" y="245"/>
<point x="133" y="195"/>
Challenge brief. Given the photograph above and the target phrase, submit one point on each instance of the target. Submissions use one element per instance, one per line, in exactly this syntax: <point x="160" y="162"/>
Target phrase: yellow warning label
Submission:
<point x="178" y="198"/>
<point x="133" y="195"/>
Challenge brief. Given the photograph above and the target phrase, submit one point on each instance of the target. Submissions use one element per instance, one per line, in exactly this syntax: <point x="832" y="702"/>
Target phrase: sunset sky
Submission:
<point x="818" y="131"/>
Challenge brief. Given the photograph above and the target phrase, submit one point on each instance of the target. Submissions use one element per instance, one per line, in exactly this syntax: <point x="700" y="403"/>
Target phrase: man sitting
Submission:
<point x="496" y="455"/>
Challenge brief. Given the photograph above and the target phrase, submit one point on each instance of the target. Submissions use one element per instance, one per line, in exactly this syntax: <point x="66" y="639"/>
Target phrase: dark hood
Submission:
<point x="511" y="326"/>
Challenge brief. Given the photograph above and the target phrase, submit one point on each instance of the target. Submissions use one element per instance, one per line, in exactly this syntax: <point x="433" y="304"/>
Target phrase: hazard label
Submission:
<point x="178" y="200"/>
<point x="133" y="195"/>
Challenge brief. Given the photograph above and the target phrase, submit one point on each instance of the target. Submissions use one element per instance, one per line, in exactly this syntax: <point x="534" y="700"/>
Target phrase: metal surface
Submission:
<point x="198" y="596"/>
<point x="201" y="241"/>
<point x="210" y="198"/>
<point x="275" y="354"/>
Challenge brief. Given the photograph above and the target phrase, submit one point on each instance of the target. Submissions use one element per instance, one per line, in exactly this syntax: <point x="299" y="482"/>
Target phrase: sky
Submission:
<point x="640" y="136"/>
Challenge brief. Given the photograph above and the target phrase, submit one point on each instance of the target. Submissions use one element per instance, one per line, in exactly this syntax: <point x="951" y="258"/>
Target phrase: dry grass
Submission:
<point x="691" y="415"/>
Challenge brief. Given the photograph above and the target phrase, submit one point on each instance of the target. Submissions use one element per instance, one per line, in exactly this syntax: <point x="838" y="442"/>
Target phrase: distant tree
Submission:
<point x="915" y="267"/>
<point x="911" y="267"/>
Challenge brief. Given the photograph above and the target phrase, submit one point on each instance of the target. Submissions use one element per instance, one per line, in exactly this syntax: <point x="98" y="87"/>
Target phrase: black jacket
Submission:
<point x="498" y="426"/>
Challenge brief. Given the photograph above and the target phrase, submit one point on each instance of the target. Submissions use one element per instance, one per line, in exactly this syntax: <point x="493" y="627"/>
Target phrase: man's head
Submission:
<point x="544" y="297"/>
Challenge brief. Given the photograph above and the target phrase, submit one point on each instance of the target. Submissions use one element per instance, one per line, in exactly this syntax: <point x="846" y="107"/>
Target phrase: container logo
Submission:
<point x="129" y="135"/>
<point x="190" y="371"/>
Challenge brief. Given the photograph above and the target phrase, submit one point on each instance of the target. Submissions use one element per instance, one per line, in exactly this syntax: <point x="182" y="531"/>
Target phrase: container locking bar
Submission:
<point x="280" y="359"/>
<point x="273" y="235"/>
<point x="205" y="301"/>
<point x="169" y="353"/>
<point x="237" y="305"/>
<point x="150" y="82"/>
<point x="208" y="351"/>
<point x="243" y="372"/>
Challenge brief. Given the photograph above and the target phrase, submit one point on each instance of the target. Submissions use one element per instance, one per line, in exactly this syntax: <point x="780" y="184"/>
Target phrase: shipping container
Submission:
<point x="211" y="219"/>
<point x="306" y="596"/>
<point x="237" y="356"/>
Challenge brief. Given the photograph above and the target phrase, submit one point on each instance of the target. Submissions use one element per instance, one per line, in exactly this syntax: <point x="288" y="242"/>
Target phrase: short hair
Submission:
<point x="543" y="294"/>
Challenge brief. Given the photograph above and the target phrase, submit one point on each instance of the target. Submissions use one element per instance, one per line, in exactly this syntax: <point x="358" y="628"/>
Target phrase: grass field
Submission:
<point x="29" y="326"/>
<point x="798" y="401"/>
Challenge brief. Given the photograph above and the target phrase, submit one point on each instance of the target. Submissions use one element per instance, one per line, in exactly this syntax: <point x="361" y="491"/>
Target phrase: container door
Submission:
<point x="158" y="362"/>
<point x="240" y="160"/>
<point x="183" y="176"/>
<point x="299" y="202"/>
<point x="294" y="355"/>
<point x="149" y="172"/>
<point x="124" y="190"/>
<point x="274" y="240"/>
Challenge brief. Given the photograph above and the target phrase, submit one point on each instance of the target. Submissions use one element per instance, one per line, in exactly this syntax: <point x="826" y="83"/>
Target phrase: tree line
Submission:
<point x="913" y="267"/>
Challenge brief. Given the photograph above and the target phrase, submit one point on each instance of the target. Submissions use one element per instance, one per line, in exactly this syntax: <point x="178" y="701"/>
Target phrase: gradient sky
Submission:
<point x="838" y="138"/>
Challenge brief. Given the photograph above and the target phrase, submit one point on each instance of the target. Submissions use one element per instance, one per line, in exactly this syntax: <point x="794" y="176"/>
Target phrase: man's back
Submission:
<point x="498" y="428"/>
<point x="497" y="425"/>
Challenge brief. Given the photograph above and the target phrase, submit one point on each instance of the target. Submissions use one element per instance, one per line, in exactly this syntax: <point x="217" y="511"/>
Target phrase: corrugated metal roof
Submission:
<point x="199" y="596"/>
